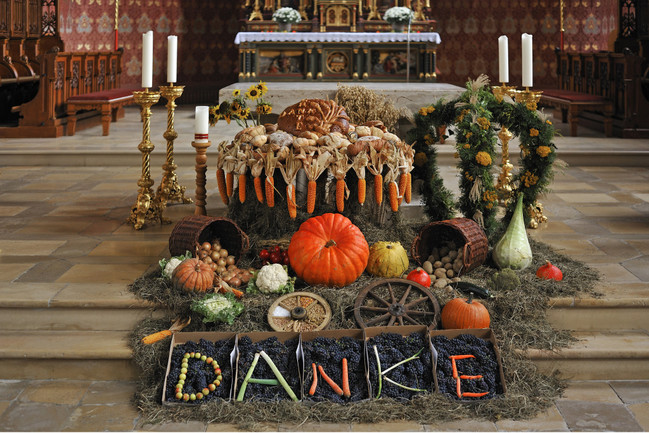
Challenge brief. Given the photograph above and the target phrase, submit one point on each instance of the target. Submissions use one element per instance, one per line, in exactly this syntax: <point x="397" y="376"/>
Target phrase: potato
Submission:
<point x="437" y="264"/>
<point x="440" y="273"/>
<point x="450" y="273"/>
<point x="448" y="266"/>
<point x="452" y="254"/>
<point x="457" y="266"/>
<point x="440" y="283"/>
<point x="455" y="279"/>
<point x="446" y="259"/>
<point x="443" y="251"/>
<point x="428" y="267"/>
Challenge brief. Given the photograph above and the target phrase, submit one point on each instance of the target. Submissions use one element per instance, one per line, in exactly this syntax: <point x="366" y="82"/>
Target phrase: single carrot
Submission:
<point x="229" y="182"/>
<point x="361" y="191"/>
<point x="465" y="376"/>
<point x="378" y="188"/>
<point x="457" y="387"/>
<point x="407" y="195"/>
<point x="157" y="336"/>
<point x="235" y="292"/>
<point x="290" y="201"/>
<point x="270" y="191"/>
<point x="393" y="192"/>
<point x="346" y="391"/>
<point x="310" y="196"/>
<point x="330" y="382"/>
<point x="220" y="181"/>
<point x="340" y="195"/>
<point x="259" y="191"/>
<point x="242" y="188"/>
<point x="402" y="186"/>
<point x="474" y="394"/>
<point x="314" y="384"/>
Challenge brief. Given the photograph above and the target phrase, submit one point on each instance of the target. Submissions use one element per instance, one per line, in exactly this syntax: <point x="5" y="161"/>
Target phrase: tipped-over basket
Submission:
<point x="462" y="231"/>
<point x="193" y="230"/>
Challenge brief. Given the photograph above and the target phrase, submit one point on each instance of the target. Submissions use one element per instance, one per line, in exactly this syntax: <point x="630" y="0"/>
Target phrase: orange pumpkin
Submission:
<point x="462" y="313"/>
<point x="193" y="275"/>
<point x="328" y="250"/>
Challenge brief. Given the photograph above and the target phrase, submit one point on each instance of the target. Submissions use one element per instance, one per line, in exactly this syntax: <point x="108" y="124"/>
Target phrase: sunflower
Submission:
<point x="264" y="108"/>
<point x="253" y="93"/>
<point x="261" y="86"/>
<point x="236" y="93"/>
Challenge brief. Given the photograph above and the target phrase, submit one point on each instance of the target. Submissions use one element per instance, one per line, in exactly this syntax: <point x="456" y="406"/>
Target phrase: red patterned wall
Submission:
<point x="470" y="28"/>
<point x="207" y="57"/>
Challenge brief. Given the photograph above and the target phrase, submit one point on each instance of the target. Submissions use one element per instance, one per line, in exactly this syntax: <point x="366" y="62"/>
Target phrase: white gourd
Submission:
<point x="513" y="249"/>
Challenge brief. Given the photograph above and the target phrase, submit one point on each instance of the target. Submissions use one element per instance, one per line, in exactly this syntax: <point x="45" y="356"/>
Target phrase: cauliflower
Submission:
<point x="167" y="267"/>
<point x="504" y="280"/>
<point x="273" y="278"/>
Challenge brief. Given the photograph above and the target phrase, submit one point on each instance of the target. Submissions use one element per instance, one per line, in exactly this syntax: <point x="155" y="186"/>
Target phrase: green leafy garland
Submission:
<point x="474" y="114"/>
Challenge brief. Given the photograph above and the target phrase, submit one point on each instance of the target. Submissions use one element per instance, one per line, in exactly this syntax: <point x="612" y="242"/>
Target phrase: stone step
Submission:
<point x="592" y="314"/>
<point x="606" y="355"/>
<point x="78" y="355"/>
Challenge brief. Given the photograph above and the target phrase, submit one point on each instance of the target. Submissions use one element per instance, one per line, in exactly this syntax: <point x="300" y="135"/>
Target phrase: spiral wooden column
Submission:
<point x="201" y="170"/>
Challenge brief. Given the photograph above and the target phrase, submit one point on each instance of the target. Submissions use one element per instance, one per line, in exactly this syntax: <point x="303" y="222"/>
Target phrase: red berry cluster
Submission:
<point x="274" y="255"/>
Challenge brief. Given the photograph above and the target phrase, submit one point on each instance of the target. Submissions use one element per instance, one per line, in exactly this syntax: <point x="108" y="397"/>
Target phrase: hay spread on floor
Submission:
<point x="518" y="319"/>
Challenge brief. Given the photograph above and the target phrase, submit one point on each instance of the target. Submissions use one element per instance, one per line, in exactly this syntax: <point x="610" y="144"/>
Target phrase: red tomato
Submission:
<point x="286" y="261"/>
<point x="419" y="276"/>
<point x="277" y="249"/>
<point x="264" y="254"/>
<point x="275" y="257"/>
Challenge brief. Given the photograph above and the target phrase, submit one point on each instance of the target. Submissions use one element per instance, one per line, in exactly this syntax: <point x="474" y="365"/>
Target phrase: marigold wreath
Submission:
<point x="474" y="115"/>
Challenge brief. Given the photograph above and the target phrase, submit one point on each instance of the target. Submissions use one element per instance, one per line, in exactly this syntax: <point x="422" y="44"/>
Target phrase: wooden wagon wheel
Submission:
<point x="396" y="301"/>
<point x="299" y="312"/>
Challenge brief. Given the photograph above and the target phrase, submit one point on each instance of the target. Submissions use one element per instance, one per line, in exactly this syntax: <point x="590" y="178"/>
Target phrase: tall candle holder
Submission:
<point x="503" y="185"/>
<point x="531" y="99"/>
<point x="201" y="169"/>
<point x="169" y="190"/>
<point x="145" y="209"/>
<point x="528" y="97"/>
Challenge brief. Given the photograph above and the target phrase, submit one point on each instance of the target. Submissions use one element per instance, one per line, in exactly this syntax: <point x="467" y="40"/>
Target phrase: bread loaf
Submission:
<point x="315" y="115"/>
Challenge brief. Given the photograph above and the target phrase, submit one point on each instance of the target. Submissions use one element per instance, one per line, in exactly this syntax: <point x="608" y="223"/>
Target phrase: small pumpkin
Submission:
<point x="193" y="275"/>
<point x="549" y="272"/>
<point x="387" y="260"/>
<point x="328" y="250"/>
<point x="462" y="313"/>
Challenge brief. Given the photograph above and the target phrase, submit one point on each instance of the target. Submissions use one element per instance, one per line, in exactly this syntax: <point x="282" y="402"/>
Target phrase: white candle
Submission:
<point x="147" y="59"/>
<point x="172" y="58"/>
<point x="503" y="59"/>
<point x="201" y="124"/>
<point x="527" y="60"/>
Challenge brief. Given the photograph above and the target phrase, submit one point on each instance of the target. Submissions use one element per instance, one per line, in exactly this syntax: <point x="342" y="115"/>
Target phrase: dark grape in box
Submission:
<point x="484" y="363"/>
<point x="416" y="373"/>
<point x="283" y="355"/>
<point x="329" y="353"/>
<point x="199" y="375"/>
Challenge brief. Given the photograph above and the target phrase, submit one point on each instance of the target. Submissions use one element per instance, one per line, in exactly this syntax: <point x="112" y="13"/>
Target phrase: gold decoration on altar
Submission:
<point x="503" y="185"/>
<point x="527" y="97"/>
<point x="146" y="209"/>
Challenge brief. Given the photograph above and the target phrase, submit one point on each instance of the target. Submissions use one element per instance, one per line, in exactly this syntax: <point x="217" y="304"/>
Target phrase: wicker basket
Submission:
<point x="193" y="230"/>
<point x="462" y="231"/>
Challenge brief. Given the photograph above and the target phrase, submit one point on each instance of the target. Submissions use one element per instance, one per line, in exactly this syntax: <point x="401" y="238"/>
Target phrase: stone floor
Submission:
<point x="63" y="224"/>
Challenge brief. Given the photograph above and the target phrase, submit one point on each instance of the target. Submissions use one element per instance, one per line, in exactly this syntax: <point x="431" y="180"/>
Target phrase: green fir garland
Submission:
<point x="475" y="115"/>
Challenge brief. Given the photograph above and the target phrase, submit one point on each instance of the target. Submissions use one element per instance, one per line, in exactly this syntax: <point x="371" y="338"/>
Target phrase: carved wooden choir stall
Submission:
<point x="37" y="77"/>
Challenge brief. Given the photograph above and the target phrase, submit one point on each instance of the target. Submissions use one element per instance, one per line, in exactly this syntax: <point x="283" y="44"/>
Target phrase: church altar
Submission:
<point x="337" y="56"/>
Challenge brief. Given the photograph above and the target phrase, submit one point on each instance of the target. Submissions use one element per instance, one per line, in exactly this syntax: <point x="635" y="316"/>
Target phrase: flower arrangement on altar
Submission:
<point x="287" y="15"/>
<point x="238" y="108"/>
<point x="399" y="15"/>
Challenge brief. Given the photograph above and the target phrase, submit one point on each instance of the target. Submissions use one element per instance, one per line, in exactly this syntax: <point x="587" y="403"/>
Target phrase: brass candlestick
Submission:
<point x="145" y="208"/>
<point x="531" y="98"/>
<point x="528" y="97"/>
<point x="169" y="189"/>
<point x="503" y="185"/>
<point x="201" y="168"/>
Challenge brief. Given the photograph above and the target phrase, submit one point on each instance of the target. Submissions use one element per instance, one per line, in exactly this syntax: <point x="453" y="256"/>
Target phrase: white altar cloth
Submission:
<point x="335" y="37"/>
